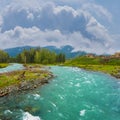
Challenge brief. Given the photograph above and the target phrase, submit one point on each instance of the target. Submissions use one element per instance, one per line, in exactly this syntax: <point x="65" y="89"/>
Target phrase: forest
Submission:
<point x="34" y="55"/>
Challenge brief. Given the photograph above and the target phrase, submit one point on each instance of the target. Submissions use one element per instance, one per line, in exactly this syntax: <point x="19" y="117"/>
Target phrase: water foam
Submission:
<point x="36" y="96"/>
<point x="54" y="104"/>
<point x="7" y="111"/>
<point x="28" y="116"/>
<point x="61" y="97"/>
<point x="77" y="85"/>
<point x="82" y="112"/>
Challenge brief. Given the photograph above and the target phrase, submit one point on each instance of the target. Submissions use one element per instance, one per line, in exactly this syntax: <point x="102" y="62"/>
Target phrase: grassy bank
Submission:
<point x="29" y="78"/>
<point x="111" y="66"/>
<point x="2" y="65"/>
<point x="109" y="69"/>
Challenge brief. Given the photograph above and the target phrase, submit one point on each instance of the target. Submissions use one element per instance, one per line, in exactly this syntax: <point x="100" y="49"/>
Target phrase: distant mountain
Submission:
<point x="15" y="51"/>
<point x="67" y="50"/>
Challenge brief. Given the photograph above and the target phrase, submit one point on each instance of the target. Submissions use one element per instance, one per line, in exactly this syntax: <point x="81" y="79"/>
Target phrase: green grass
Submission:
<point x="111" y="66"/>
<point x="3" y="65"/>
<point x="103" y="68"/>
<point x="13" y="78"/>
<point x="83" y="60"/>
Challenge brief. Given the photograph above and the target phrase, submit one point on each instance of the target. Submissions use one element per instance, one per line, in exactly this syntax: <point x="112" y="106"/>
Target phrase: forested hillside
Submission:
<point x="67" y="50"/>
<point x="34" y="55"/>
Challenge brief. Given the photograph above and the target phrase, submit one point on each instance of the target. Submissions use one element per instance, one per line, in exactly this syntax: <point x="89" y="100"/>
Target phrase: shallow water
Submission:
<point x="75" y="94"/>
<point x="11" y="67"/>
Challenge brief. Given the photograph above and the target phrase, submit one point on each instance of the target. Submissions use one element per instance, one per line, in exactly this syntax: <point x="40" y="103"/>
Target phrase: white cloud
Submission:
<point x="49" y="16"/>
<point x="99" y="10"/>
<point x="98" y="31"/>
<point x="30" y="16"/>
<point x="39" y="23"/>
<point x="35" y="37"/>
<point x="25" y="4"/>
<point x="1" y="21"/>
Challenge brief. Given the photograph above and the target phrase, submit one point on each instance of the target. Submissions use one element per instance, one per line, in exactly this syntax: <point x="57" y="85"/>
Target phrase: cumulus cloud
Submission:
<point x="99" y="10"/>
<point x="50" y="17"/>
<point x="1" y="20"/>
<point x="39" y="23"/>
<point x="98" y="31"/>
<point x="36" y="37"/>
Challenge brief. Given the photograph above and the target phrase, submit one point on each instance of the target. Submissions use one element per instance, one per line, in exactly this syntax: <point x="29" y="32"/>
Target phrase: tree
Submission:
<point x="42" y="56"/>
<point x="4" y="57"/>
<point x="37" y="57"/>
<point x="60" y="58"/>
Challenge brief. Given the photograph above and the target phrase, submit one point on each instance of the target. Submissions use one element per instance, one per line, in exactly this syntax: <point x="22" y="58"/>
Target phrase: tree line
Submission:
<point x="34" y="55"/>
<point x="4" y="57"/>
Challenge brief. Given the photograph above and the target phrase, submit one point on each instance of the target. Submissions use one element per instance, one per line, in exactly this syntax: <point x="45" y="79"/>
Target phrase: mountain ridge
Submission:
<point x="67" y="50"/>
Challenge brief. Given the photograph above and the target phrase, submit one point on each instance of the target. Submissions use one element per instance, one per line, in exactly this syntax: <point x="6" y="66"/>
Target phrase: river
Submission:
<point x="74" y="94"/>
<point x="12" y="67"/>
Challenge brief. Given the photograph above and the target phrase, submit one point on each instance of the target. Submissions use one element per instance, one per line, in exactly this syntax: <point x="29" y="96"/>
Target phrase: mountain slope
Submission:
<point x="67" y="50"/>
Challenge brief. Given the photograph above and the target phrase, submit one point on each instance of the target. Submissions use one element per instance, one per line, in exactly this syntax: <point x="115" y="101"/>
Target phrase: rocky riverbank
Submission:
<point x="30" y="78"/>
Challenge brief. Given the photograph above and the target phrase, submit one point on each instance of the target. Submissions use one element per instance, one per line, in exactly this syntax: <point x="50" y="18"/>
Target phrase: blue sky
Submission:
<point x="87" y="25"/>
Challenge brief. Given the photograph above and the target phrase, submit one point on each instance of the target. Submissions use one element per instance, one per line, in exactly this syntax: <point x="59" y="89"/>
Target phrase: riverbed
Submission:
<point x="74" y="94"/>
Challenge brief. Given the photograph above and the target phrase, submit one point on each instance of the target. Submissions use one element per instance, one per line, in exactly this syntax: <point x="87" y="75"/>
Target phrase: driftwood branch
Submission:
<point x="21" y="76"/>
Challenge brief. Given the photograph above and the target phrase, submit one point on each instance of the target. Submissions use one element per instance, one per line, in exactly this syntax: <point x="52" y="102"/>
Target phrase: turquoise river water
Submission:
<point x="12" y="67"/>
<point x="74" y="94"/>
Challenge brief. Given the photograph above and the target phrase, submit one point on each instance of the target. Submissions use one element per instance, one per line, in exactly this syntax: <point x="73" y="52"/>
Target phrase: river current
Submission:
<point x="74" y="94"/>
